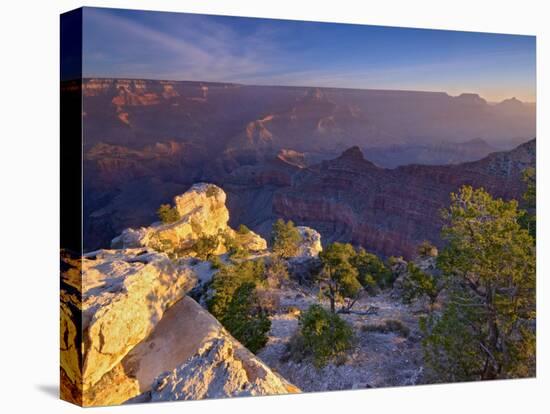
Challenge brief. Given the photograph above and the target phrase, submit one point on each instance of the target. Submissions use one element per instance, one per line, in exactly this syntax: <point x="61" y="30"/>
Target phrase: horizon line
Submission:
<point x="302" y="86"/>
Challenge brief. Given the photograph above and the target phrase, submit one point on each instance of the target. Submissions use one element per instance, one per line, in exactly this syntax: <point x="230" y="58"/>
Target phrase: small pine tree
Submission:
<point x="339" y="278"/>
<point x="276" y="272"/>
<point x="228" y="279"/>
<point x="246" y="321"/>
<point x="418" y="284"/>
<point x="285" y="238"/>
<point x="372" y="271"/>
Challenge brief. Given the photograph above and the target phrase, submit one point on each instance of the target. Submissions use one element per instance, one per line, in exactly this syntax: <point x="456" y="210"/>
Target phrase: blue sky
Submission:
<point x="178" y="46"/>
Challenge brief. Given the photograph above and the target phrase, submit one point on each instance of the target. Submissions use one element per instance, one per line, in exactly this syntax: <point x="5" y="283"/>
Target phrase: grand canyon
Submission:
<point x="365" y="166"/>
<point x="275" y="207"/>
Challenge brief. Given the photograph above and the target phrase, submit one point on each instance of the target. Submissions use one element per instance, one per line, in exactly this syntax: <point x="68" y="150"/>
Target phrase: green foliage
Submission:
<point x="339" y="278"/>
<point x="276" y="272"/>
<point x="486" y="329"/>
<point x="242" y="229"/>
<point x="372" y="271"/>
<point x="215" y="262"/>
<point x="212" y="191"/>
<point x="229" y="279"/>
<point x="322" y="335"/>
<point x="285" y="238"/>
<point x="205" y="246"/>
<point x="233" y="247"/>
<point x="168" y="214"/>
<point x="418" y="284"/>
<point x="529" y="219"/>
<point x="246" y="321"/>
<point x="389" y="325"/>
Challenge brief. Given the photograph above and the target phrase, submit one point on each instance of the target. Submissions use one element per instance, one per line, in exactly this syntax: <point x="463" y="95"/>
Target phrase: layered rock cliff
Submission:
<point x="146" y="140"/>
<point x="391" y="211"/>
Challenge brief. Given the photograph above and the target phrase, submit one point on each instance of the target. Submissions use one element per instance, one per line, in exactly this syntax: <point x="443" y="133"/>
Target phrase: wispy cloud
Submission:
<point x="205" y="50"/>
<point x="230" y="49"/>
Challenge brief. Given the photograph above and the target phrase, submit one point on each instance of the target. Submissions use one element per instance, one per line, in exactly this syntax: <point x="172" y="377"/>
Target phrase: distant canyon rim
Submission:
<point x="371" y="167"/>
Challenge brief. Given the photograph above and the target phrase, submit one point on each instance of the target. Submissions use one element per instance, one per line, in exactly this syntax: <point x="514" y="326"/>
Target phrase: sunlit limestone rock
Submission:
<point x="202" y="212"/>
<point x="219" y="366"/>
<point x="310" y="245"/>
<point x="124" y="295"/>
<point x="188" y="355"/>
<point x="70" y="328"/>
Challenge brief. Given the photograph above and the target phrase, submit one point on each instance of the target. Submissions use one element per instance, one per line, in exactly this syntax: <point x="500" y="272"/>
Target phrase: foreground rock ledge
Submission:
<point x="124" y="295"/>
<point x="188" y="356"/>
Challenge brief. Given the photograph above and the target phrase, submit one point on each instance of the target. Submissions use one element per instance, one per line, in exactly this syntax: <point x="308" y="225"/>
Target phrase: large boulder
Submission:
<point x="202" y="212"/>
<point x="188" y="355"/>
<point x="124" y="296"/>
<point x="219" y="367"/>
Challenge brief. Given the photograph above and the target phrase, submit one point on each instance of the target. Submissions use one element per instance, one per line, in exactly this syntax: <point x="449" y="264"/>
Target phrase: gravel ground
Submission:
<point x="378" y="360"/>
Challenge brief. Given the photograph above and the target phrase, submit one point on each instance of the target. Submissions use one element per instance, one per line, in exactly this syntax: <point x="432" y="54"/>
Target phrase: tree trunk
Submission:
<point x="492" y="368"/>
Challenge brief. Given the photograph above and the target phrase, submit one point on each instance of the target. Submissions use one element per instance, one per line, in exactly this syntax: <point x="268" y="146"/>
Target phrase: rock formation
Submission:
<point x="125" y="294"/>
<point x="310" y="245"/>
<point x="202" y="212"/>
<point x="126" y="319"/>
<point x="391" y="211"/>
<point x="147" y="140"/>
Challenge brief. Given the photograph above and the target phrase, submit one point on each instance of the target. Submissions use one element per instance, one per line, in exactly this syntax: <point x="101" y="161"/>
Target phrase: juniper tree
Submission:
<point x="339" y="278"/>
<point x="285" y="238"/>
<point x="486" y="329"/>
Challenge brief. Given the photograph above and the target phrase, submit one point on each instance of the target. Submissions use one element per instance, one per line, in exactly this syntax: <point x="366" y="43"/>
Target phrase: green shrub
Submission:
<point x="205" y="246"/>
<point x="418" y="284"/>
<point x="168" y="214"/>
<point x="235" y="249"/>
<point x="389" y="325"/>
<point x="323" y="336"/>
<point x="285" y="238"/>
<point x="228" y="279"/>
<point x="247" y="321"/>
<point x="215" y="262"/>
<point x="372" y="271"/>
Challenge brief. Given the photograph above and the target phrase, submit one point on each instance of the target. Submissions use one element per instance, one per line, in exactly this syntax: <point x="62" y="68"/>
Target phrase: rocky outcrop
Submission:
<point x="202" y="212"/>
<point x="310" y="245"/>
<point x="124" y="296"/>
<point x="219" y="366"/>
<point x="159" y="367"/>
<point x="126" y="320"/>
